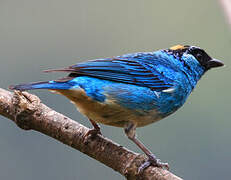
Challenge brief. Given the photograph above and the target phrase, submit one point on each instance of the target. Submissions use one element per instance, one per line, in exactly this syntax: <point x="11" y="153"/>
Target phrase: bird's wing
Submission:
<point x="120" y="69"/>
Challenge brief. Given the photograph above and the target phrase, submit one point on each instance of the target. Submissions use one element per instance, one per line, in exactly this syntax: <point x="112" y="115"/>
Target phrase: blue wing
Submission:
<point x="123" y="69"/>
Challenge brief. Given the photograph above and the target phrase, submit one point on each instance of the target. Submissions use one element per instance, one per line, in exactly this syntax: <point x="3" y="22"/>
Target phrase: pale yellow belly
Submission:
<point x="108" y="112"/>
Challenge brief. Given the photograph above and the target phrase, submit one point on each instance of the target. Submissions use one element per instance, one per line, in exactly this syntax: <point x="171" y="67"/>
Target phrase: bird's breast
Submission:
<point x="109" y="112"/>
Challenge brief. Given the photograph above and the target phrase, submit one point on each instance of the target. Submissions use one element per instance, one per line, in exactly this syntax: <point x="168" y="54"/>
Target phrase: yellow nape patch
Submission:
<point x="177" y="47"/>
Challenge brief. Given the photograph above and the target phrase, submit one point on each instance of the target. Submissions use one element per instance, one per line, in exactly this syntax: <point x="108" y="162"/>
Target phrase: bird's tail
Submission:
<point x="41" y="85"/>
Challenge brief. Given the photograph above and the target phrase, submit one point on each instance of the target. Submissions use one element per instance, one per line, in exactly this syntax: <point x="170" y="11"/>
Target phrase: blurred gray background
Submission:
<point x="37" y="35"/>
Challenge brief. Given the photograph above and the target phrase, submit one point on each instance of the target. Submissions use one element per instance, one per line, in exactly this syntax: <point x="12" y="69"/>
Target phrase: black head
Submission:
<point x="202" y="57"/>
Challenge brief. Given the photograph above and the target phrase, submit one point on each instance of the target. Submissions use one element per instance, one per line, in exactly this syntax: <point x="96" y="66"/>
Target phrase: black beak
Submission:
<point x="214" y="63"/>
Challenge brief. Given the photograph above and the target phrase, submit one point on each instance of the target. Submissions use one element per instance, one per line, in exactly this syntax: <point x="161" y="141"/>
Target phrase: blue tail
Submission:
<point x="41" y="85"/>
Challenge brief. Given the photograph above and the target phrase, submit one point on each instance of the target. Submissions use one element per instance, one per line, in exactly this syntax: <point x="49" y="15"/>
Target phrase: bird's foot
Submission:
<point x="92" y="133"/>
<point x="153" y="161"/>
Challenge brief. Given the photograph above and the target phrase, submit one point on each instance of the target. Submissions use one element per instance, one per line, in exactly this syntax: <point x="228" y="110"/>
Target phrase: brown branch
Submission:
<point x="226" y="6"/>
<point x="29" y="114"/>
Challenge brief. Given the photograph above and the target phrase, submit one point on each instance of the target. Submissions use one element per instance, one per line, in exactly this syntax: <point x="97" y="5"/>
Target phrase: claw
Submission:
<point x="92" y="133"/>
<point x="152" y="160"/>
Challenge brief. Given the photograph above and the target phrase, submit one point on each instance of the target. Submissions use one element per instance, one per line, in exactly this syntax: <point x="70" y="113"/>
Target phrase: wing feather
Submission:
<point x="123" y="70"/>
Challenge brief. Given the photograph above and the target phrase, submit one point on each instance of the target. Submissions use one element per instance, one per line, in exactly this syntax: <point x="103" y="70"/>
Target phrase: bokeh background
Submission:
<point x="37" y="35"/>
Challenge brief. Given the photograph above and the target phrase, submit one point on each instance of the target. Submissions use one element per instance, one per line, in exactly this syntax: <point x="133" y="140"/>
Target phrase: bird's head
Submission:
<point x="199" y="55"/>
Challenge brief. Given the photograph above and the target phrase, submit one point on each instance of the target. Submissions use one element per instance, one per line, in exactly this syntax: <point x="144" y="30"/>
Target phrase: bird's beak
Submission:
<point x="215" y="63"/>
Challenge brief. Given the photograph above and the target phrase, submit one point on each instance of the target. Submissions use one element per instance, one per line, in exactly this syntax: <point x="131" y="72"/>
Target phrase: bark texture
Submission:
<point x="29" y="113"/>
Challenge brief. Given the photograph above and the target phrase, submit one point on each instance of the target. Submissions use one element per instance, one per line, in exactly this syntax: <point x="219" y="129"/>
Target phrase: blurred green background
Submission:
<point x="37" y="35"/>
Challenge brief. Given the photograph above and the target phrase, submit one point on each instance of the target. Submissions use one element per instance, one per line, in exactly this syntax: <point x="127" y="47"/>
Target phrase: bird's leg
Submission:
<point x="130" y="131"/>
<point x="94" y="131"/>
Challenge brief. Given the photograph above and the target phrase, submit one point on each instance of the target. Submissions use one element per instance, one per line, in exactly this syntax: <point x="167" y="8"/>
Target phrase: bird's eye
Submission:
<point x="198" y="55"/>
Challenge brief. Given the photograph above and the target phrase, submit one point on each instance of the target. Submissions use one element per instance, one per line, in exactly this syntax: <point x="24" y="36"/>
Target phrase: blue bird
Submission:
<point x="132" y="90"/>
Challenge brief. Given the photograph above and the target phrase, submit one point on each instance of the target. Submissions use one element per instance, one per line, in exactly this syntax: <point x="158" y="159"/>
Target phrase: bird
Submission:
<point x="131" y="90"/>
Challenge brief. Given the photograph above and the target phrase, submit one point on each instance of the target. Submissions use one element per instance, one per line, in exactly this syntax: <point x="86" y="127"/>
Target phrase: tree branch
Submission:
<point x="29" y="114"/>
